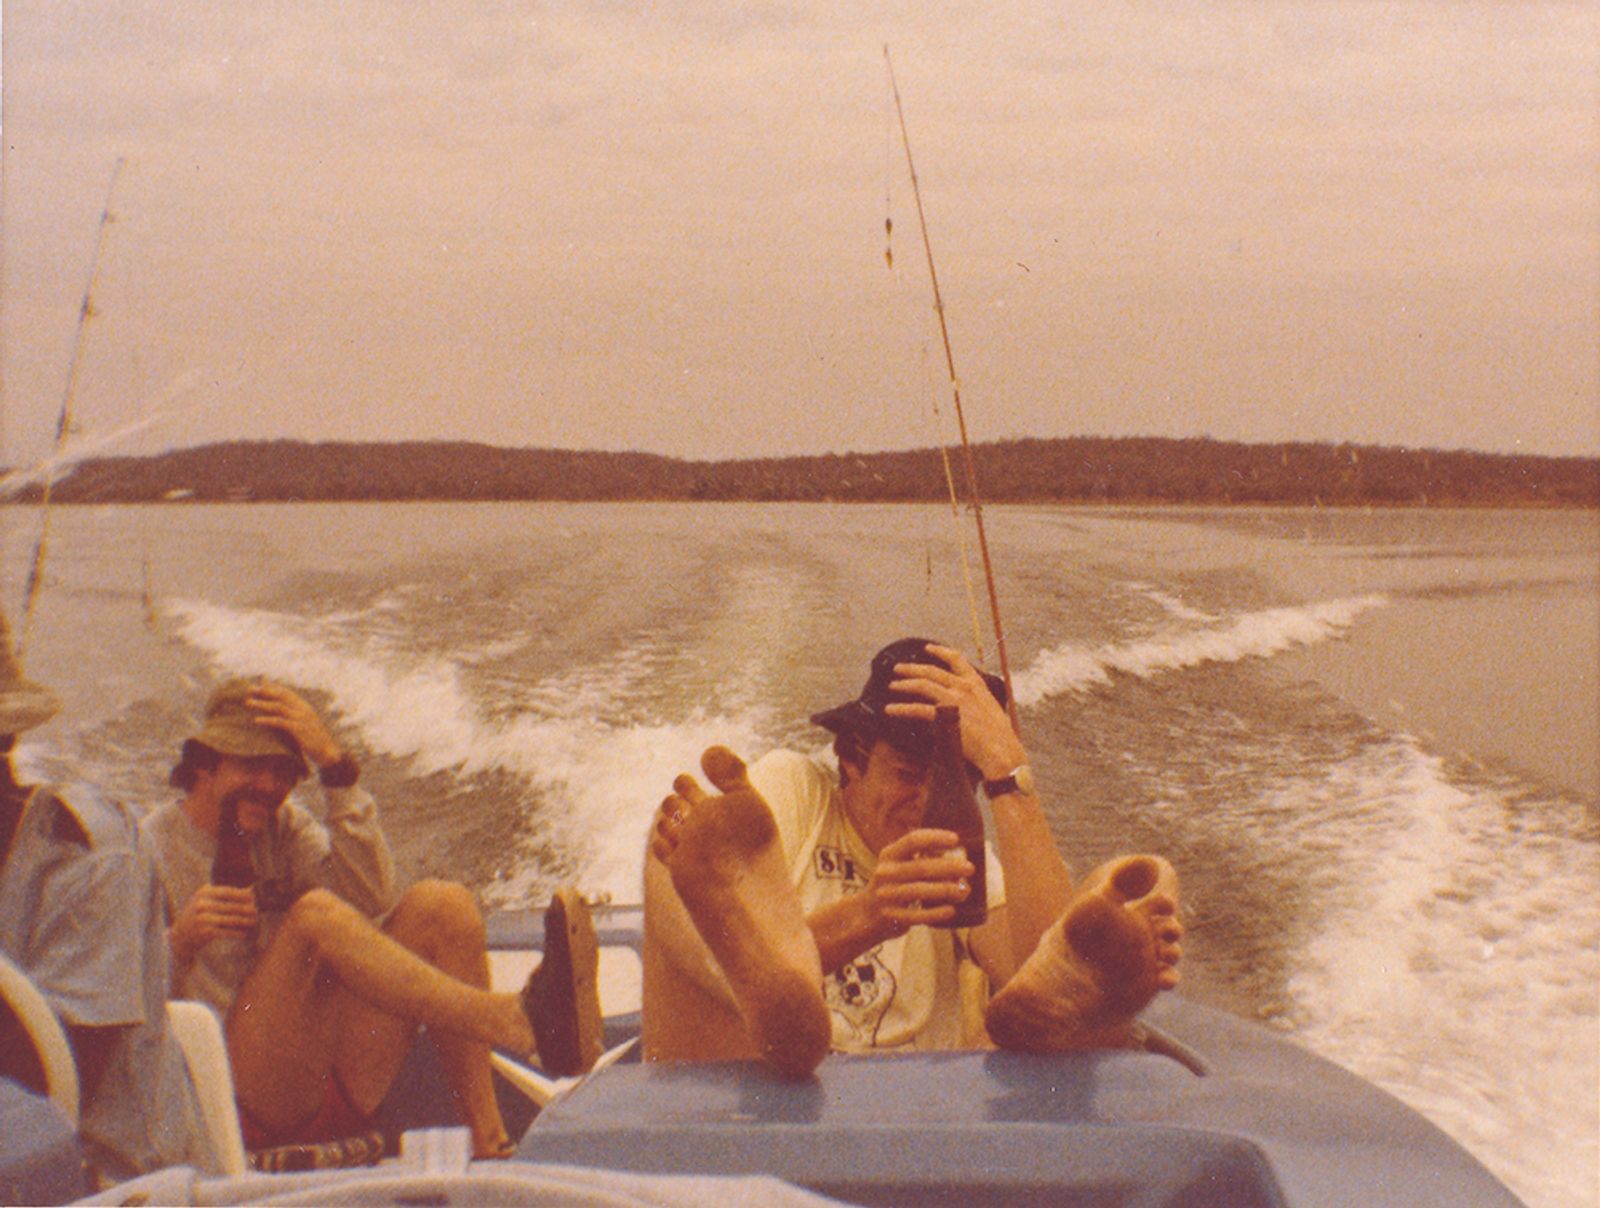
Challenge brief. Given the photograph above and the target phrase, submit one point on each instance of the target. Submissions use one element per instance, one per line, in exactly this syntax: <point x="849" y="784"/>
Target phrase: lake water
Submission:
<point x="1368" y="740"/>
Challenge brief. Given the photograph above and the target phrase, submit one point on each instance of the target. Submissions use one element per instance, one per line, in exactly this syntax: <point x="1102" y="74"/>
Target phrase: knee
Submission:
<point x="443" y="911"/>
<point x="314" y="914"/>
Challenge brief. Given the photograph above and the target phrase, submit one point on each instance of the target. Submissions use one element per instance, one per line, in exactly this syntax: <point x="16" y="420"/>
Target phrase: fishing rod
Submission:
<point x="955" y="391"/>
<point x="64" y="420"/>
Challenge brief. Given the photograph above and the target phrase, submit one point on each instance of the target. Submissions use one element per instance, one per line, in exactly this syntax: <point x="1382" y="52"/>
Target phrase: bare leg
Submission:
<point x="1113" y="949"/>
<point x="439" y="921"/>
<point x="726" y="871"/>
<point x="282" y="1028"/>
<point x="280" y="1034"/>
<point x="690" y="1013"/>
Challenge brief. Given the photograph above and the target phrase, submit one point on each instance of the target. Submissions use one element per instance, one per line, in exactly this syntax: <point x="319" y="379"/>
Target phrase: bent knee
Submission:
<point x="441" y="909"/>
<point x="314" y="911"/>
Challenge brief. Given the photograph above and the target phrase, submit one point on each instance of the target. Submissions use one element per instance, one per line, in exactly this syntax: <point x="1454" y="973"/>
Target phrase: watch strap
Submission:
<point x="341" y="774"/>
<point x="1017" y="780"/>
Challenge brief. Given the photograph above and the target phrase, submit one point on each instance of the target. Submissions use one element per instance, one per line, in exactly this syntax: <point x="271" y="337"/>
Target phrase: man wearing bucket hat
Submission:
<point x="791" y="878"/>
<point x="81" y="915"/>
<point x="321" y="971"/>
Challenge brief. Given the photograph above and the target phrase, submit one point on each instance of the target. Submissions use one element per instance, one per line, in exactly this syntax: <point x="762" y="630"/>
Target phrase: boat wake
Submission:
<point x="1430" y="958"/>
<point x="1260" y="634"/>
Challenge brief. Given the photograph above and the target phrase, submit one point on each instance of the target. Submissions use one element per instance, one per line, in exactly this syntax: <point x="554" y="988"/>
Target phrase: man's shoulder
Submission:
<point x="83" y="868"/>
<point x="162" y="825"/>
<point x="294" y="819"/>
<point x="790" y="767"/>
<point x="797" y="787"/>
<point x="78" y="816"/>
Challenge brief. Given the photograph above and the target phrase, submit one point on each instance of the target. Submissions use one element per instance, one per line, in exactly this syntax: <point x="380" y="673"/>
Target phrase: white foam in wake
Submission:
<point x="1171" y="603"/>
<point x="1456" y="963"/>
<point x="1261" y="634"/>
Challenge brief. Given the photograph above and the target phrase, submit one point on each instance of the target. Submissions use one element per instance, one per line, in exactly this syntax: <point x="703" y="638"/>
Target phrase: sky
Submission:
<point x="661" y="226"/>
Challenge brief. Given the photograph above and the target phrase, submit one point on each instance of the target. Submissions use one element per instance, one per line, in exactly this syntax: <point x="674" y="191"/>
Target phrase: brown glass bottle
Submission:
<point x="952" y="805"/>
<point x="232" y="864"/>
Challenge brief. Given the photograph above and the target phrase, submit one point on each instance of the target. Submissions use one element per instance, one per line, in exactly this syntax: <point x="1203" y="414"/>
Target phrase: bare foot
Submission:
<point x="1114" y="948"/>
<point x="728" y="868"/>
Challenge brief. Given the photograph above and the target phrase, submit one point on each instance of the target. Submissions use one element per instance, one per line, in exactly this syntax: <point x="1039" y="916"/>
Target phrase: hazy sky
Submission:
<point x="660" y="226"/>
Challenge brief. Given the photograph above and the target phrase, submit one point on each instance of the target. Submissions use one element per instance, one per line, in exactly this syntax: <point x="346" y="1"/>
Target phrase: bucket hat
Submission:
<point x="865" y="715"/>
<point x="231" y="729"/>
<point x="23" y="703"/>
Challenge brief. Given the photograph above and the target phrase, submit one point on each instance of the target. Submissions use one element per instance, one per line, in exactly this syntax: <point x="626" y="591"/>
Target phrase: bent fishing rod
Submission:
<point x="955" y="391"/>
<point x="64" y="423"/>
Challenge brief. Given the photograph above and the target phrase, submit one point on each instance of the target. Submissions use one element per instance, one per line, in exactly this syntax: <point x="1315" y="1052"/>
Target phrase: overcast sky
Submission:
<point x="660" y="226"/>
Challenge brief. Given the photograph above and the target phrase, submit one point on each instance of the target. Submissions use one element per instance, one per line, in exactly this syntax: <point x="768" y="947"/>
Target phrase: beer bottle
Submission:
<point x="953" y="806"/>
<point x="232" y="864"/>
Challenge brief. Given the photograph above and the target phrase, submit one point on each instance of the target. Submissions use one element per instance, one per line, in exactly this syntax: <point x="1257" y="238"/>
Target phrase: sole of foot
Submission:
<point x="1113" y="949"/>
<point x="729" y="871"/>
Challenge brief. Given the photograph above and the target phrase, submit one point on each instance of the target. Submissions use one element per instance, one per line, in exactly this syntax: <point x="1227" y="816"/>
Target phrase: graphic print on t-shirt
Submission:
<point x="834" y="864"/>
<point x="859" y="994"/>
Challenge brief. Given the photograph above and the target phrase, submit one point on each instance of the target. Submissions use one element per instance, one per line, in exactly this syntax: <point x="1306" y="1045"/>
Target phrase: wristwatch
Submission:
<point x="1018" y="780"/>
<point x="341" y="773"/>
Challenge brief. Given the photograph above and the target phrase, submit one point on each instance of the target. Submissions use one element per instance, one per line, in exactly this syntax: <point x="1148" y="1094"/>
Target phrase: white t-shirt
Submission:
<point x="905" y="992"/>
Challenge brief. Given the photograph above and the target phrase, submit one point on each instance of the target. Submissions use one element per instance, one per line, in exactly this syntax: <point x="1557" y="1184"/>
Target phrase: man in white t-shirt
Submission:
<point x="794" y="910"/>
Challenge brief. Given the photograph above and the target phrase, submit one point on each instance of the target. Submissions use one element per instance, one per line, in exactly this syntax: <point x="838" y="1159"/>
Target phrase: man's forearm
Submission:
<point x="1038" y="885"/>
<point x="360" y="862"/>
<point x="180" y="951"/>
<point x="843" y="930"/>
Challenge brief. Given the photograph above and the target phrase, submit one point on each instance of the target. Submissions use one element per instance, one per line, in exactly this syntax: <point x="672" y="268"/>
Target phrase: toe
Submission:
<point x="1133" y="877"/>
<point x="687" y="787"/>
<point x="669" y="827"/>
<point x="726" y="770"/>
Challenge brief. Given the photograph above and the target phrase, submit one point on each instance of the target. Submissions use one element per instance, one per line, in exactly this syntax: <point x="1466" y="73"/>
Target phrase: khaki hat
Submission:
<point x="23" y="703"/>
<point x="231" y="729"/>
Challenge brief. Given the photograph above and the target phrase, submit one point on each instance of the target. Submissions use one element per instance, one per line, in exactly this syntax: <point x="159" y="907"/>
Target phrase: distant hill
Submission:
<point x="1067" y="470"/>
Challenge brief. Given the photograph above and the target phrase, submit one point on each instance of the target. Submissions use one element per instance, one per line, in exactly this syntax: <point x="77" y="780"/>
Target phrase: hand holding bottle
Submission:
<point x="212" y="912"/>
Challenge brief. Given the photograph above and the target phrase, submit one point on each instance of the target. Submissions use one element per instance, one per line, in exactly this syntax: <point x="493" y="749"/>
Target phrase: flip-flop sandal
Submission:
<point x="561" y="998"/>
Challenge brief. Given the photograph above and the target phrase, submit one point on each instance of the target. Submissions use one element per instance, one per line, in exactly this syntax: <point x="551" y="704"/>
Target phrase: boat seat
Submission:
<point x="24" y="1010"/>
<point x="199" y="1034"/>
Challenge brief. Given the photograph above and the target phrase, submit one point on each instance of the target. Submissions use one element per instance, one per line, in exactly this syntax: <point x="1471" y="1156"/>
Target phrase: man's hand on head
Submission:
<point x="987" y="739"/>
<point x="284" y="709"/>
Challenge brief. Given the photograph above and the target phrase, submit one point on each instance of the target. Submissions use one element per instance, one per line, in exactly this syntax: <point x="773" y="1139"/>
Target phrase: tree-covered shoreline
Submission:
<point x="1117" y="470"/>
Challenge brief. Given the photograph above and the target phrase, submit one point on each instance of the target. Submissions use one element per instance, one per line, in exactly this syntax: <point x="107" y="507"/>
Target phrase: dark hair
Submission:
<point x="196" y="758"/>
<point x="854" y="746"/>
<point x="850" y="747"/>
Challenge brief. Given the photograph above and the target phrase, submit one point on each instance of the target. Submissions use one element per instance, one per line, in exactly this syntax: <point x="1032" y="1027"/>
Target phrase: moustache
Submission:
<point x="248" y="796"/>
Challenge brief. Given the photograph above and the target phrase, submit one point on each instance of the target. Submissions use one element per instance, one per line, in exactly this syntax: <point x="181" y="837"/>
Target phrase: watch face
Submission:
<point x="1018" y="780"/>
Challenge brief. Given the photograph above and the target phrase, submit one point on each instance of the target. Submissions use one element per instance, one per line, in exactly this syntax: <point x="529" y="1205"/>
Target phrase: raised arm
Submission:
<point x="357" y="863"/>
